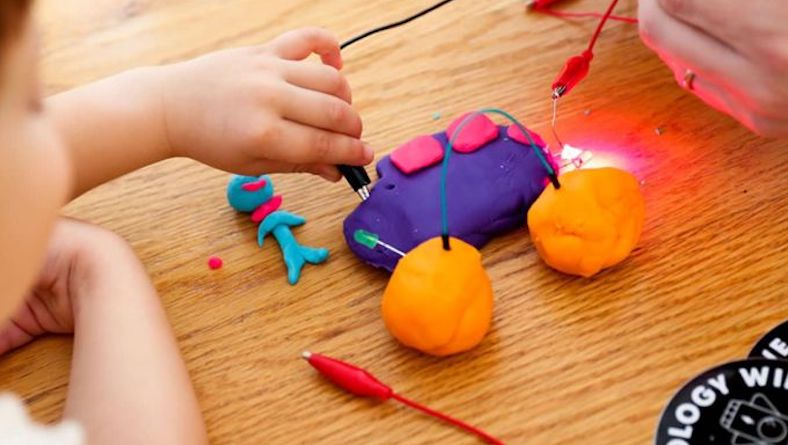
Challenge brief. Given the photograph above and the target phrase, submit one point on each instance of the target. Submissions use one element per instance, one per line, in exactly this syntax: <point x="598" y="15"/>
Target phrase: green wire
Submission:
<point x="445" y="170"/>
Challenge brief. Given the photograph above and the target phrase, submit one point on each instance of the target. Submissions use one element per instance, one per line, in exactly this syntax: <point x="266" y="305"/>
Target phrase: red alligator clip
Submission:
<point x="575" y="70"/>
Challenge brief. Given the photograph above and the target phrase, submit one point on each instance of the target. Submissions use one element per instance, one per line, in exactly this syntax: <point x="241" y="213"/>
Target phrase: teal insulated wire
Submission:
<point x="447" y="154"/>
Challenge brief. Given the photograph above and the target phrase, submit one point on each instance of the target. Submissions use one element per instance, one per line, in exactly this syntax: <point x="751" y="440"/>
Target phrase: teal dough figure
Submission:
<point x="255" y="195"/>
<point x="247" y="201"/>
<point x="295" y="255"/>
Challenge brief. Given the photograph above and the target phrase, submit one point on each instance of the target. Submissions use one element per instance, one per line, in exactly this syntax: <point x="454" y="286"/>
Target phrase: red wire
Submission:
<point x="458" y="423"/>
<point x="577" y="67"/>
<point x="602" y="22"/>
<point x="562" y="14"/>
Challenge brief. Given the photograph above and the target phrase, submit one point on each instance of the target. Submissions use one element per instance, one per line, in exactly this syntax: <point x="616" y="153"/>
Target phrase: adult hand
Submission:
<point x="737" y="51"/>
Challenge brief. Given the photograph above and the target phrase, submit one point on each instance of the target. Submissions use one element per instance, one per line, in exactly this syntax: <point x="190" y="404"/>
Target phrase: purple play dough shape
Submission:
<point x="489" y="191"/>
<point x="417" y="154"/>
<point x="475" y="134"/>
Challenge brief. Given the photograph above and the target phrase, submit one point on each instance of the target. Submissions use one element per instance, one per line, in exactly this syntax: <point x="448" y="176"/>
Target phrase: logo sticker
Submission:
<point x="739" y="403"/>
<point x="773" y="345"/>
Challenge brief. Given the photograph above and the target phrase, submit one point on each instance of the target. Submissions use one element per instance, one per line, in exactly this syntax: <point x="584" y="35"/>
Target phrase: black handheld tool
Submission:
<point x="357" y="178"/>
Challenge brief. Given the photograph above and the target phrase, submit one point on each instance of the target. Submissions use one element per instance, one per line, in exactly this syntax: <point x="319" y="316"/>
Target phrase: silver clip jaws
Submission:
<point x="363" y="193"/>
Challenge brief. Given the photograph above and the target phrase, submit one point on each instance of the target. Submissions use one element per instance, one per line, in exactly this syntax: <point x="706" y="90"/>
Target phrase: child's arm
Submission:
<point x="128" y="383"/>
<point x="249" y="111"/>
<point x="111" y="127"/>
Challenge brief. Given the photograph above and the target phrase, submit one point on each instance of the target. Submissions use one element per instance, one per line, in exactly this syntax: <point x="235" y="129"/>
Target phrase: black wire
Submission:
<point x="394" y="24"/>
<point x="371" y="32"/>
<point x="445" y="240"/>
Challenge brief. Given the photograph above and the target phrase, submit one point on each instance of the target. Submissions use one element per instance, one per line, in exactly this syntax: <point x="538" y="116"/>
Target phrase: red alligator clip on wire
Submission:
<point x="577" y="67"/>
<point x="575" y="70"/>
<point x="361" y="383"/>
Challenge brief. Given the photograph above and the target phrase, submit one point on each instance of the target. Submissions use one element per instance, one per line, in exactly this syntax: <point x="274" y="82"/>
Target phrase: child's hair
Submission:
<point x="12" y="18"/>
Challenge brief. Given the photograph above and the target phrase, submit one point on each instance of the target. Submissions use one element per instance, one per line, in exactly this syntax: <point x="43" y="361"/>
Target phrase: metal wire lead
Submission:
<point x="391" y="248"/>
<point x="555" y="118"/>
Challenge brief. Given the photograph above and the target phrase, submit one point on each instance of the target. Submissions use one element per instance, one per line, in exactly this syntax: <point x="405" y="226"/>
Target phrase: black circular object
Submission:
<point x="738" y="403"/>
<point x="773" y="345"/>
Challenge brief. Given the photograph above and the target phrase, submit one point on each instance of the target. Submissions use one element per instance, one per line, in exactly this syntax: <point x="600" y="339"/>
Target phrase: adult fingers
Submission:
<point x="295" y="143"/>
<point x="727" y="20"/>
<point x="735" y="106"/>
<point x="720" y="18"/>
<point x="301" y="43"/>
<point x="708" y="92"/>
<point x="318" y="77"/>
<point x="755" y="96"/>
<point x="681" y="43"/>
<point x="320" y="110"/>
<point x="769" y="127"/>
<point x="715" y="96"/>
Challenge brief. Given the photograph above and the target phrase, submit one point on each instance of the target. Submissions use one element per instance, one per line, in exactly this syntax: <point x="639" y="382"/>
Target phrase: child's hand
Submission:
<point x="248" y="111"/>
<point x="128" y="384"/>
<point x="265" y="109"/>
<point x="76" y="255"/>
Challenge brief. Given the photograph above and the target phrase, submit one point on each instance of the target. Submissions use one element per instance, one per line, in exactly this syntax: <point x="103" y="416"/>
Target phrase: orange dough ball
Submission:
<point x="591" y="223"/>
<point x="439" y="302"/>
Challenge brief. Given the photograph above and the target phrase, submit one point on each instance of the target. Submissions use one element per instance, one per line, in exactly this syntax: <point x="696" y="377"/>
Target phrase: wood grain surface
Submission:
<point x="569" y="361"/>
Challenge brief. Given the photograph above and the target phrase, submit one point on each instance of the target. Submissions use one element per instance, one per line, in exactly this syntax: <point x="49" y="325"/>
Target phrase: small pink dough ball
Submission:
<point x="215" y="262"/>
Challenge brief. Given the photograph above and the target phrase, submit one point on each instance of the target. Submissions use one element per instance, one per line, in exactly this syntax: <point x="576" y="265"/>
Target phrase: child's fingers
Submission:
<point x="328" y="172"/>
<point x="301" y="144"/>
<point x="321" y="110"/>
<point x="12" y="336"/>
<point x="318" y="77"/>
<point x="299" y="44"/>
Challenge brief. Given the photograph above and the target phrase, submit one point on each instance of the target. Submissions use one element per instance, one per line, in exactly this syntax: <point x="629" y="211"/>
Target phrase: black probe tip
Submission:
<point x="445" y="239"/>
<point x="554" y="180"/>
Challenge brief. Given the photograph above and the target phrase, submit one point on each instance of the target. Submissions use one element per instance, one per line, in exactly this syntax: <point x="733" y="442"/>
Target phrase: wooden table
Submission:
<point x="568" y="361"/>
